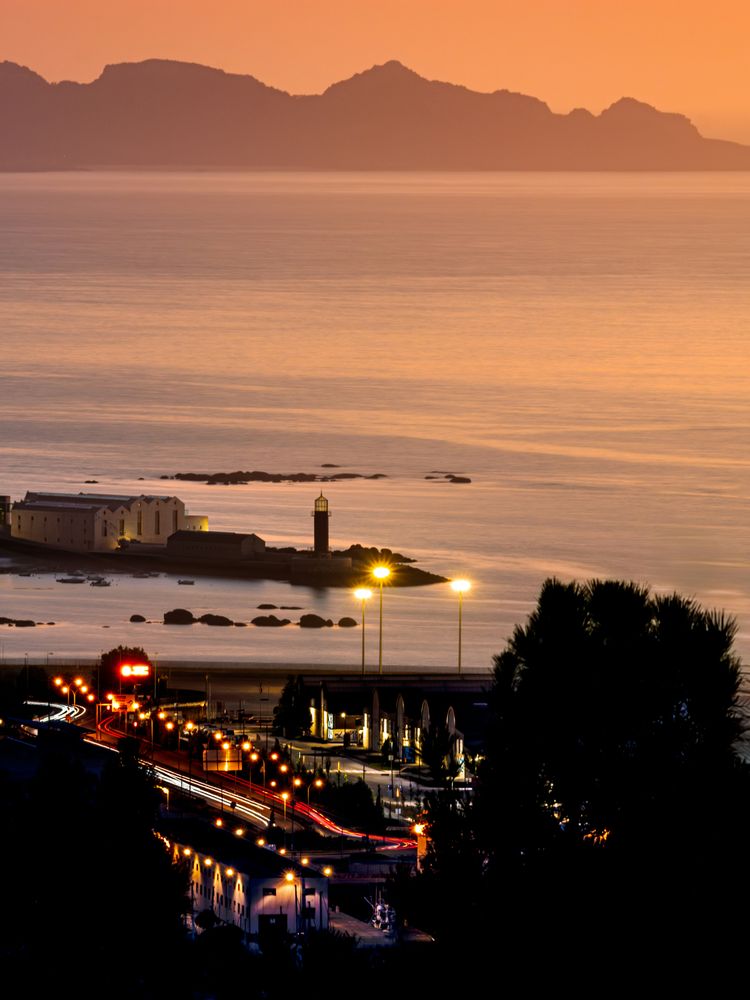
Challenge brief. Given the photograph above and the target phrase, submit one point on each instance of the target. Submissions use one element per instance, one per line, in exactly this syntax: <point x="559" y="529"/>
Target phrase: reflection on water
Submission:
<point x="577" y="345"/>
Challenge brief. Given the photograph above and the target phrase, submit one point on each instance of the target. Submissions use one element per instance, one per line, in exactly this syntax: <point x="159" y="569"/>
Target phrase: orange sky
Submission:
<point x="680" y="55"/>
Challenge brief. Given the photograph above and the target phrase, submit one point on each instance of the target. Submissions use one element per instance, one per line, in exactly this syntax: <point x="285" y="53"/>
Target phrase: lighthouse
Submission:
<point x="321" y="515"/>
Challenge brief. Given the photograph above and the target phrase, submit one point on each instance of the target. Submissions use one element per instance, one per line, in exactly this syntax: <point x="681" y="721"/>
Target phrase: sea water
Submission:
<point x="578" y="345"/>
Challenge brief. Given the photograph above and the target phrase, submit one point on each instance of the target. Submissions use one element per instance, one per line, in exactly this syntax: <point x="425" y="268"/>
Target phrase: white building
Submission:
<point x="96" y="522"/>
<point x="253" y="888"/>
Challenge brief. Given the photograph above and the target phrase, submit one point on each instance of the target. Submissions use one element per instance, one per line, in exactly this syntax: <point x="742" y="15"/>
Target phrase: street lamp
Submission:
<point x="363" y="594"/>
<point x="460" y="587"/>
<point x="381" y="574"/>
<point x="74" y="687"/>
<point x="318" y="782"/>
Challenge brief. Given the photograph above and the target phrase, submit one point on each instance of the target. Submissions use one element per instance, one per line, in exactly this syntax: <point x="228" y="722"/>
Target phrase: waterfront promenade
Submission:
<point x="254" y="688"/>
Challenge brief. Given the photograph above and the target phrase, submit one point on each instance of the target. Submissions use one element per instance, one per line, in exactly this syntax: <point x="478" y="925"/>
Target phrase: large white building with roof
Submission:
<point x="97" y="522"/>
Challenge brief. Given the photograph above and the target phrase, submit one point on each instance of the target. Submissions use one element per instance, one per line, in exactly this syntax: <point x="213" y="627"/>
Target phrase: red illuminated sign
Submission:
<point x="135" y="669"/>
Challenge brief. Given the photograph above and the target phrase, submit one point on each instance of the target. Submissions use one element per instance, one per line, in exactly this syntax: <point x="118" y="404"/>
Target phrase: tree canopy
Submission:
<point x="109" y="666"/>
<point x="614" y="713"/>
<point x="613" y="808"/>
<point x="292" y="716"/>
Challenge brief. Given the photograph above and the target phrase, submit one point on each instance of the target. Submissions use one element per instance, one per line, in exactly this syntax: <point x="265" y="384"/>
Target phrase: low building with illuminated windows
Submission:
<point x="401" y="710"/>
<point x="99" y="522"/>
<point x="257" y="889"/>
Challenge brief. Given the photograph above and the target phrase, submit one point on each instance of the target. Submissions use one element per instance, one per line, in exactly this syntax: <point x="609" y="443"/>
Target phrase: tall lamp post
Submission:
<point x="75" y="687"/>
<point x="318" y="783"/>
<point x="363" y="594"/>
<point x="381" y="574"/>
<point x="460" y="587"/>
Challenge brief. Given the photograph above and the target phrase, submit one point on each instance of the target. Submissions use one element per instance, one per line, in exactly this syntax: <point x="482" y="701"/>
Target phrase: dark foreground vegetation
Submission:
<point x="604" y="848"/>
<point x="607" y="840"/>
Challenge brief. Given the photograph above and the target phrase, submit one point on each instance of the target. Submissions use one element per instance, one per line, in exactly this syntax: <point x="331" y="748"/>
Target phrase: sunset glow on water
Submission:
<point x="575" y="344"/>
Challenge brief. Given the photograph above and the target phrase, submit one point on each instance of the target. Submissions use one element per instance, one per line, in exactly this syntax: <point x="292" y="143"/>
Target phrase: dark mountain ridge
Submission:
<point x="161" y="113"/>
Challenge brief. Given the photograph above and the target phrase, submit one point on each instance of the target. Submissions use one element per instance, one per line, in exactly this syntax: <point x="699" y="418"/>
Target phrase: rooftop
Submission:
<point x="206" y="537"/>
<point x="227" y="849"/>
<point x="93" y="497"/>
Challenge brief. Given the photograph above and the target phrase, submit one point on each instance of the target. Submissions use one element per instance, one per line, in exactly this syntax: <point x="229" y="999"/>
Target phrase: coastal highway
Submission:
<point x="244" y="799"/>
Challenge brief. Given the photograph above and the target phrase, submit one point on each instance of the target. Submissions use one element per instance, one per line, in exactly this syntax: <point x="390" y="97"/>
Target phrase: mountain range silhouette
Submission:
<point x="166" y="114"/>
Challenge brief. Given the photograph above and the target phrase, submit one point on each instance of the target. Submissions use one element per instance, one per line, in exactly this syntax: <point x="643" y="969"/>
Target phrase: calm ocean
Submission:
<point x="578" y="345"/>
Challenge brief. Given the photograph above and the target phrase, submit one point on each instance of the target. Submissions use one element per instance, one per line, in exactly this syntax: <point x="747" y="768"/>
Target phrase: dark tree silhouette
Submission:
<point x="352" y="803"/>
<point x="614" y="709"/>
<point x="437" y="752"/>
<point x="608" y="831"/>
<point x="109" y="667"/>
<point x="612" y="790"/>
<point x="292" y="716"/>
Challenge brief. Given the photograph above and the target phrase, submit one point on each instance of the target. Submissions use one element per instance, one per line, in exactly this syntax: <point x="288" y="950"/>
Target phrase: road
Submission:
<point x="243" y="798"/>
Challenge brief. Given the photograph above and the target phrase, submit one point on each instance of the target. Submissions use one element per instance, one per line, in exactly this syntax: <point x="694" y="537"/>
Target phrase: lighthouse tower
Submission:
<point x="321" y="515"/>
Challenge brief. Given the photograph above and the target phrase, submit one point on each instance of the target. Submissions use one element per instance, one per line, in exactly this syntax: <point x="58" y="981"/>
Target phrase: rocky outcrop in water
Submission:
<point x="315" y="621"/>
<point x="270" y="621"/>
<point x="221" y="620"/>
<point x="450" y="477"/>
<point x="179" y="617"/>
<point x="239" y="477"/>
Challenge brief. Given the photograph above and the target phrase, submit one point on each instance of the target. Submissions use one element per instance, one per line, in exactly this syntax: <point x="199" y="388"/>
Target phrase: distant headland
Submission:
<point x="161" y="114"/>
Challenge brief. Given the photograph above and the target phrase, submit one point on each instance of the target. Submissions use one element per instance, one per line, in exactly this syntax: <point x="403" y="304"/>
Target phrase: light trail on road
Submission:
<point x="253" y="811"/>
<point x="60" y="713"/>
<point x="259" y="811"/>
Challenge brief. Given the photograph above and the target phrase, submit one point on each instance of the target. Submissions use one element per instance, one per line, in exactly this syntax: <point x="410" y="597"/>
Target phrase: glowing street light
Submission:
<point x="381" y="574"/>
<point x="73" y="687"/>
<point x="460" y="587"/>
<point x="363" y="594"/>
<point x="318" y="784"/>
